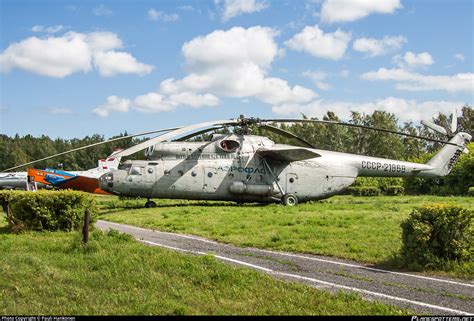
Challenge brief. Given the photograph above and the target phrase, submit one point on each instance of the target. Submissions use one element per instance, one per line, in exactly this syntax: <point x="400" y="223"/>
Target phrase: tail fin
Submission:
<point x="445" y="159"/>
<point x="110" y="163"/>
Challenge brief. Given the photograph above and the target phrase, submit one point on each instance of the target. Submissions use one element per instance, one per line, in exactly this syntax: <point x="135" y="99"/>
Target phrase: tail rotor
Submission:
<point x="449" y="131"/>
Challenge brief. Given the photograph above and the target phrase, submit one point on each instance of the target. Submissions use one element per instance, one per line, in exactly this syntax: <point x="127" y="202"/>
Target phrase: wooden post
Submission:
<point x="85" y="228"/>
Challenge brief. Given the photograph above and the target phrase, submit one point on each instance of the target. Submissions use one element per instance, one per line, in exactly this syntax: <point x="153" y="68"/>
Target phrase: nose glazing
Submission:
<point x="106" y="182"/>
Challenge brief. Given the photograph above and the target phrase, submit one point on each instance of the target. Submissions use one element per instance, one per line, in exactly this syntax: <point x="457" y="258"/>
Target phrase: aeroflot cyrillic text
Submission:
<point x="248" y="170"/>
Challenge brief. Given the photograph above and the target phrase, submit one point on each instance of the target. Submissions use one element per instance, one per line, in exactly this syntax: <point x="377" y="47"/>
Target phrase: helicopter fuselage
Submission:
<point x="231" y="168"/>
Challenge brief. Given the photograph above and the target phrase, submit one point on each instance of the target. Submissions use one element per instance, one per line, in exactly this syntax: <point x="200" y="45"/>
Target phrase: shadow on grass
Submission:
<point x="394" y="263"/>
<point x="450" y="269"/>
<point x="112" y="208"/>
<point x="5" y="229"/>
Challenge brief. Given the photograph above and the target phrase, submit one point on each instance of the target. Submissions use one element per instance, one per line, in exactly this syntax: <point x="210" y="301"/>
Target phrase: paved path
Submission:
<point x="421" y="294"/>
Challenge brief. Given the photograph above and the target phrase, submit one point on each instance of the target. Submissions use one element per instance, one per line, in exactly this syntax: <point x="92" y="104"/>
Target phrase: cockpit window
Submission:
<point x="125" y="167"/>
<point x="229" y="145"/>
<point x="136" y="170"/>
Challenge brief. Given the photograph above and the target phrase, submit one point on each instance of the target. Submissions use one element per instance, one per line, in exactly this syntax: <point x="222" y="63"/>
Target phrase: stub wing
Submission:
<point x="287" y="154"/>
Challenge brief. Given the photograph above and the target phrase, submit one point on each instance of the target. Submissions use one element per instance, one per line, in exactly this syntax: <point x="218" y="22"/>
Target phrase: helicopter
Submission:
<point x="243" y="167"/>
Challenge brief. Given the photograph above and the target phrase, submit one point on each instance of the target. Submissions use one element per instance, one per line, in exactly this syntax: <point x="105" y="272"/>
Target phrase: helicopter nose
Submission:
<point x="106" y="182"/>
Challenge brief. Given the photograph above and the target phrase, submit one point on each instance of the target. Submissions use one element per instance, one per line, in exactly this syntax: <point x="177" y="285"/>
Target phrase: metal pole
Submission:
<point x="85" y="228"/>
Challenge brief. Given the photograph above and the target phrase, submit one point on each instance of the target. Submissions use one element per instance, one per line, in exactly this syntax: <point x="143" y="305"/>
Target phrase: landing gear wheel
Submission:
<point x="150" y="204"/>
<point x="289" y="200"/>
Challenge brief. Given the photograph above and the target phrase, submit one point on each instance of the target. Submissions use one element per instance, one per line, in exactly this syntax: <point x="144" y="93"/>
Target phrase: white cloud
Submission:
<point x="155" y="102"/>
<point x="318" y="78"/>
<point x="73" y="52"/>
<point x="411" y="81"/>
<point x="110" y="63"/>
<point x="53" y="56"/>
<point x="412" y="60"/>
<point x="52" y="29"/>
<point x="151" y="102"/>
<point x="59" y="111"/>
<point x="405" y="110"/>
<point x="103" y="41"/>
<point x="193" y="100"/>
<point x="113" y="104"/>
<point x="377" y="47"/>
<point x="233" y="63"/>
<point x="351" y="10"/>
<point x="232" y="8"/>
<point x="161" y="16"/>
<point x="102" y="10"/>
<point x="459" y="57"/>
<point x="319" y="44"/>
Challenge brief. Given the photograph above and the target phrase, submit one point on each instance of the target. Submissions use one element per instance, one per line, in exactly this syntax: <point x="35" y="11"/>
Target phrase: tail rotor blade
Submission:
<point x="454" y="121"/>
<point x="436" y="128"/>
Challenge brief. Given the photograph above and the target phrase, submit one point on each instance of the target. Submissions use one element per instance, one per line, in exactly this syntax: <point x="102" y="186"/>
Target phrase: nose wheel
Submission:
<point x="289" y="200"/>
<point x="150" y="204"/>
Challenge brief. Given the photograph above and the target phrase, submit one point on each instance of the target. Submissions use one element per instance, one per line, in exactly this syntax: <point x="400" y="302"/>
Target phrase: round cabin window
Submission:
<point x="292" y="180"/>
<point x="150" y="170"/>
<point x="209" y="174"/>
<point x="229" y="145"/>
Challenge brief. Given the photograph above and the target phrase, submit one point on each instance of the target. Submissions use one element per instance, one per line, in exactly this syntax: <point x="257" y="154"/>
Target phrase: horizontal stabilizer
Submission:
<point x="287" y="154"/>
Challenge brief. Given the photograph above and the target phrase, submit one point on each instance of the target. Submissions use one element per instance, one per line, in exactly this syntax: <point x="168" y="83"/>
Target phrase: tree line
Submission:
<point x="22" y="149"/>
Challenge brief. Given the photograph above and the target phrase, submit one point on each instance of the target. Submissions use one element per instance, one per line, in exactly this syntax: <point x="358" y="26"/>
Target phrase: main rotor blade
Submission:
<point x="171" y="134"/>
<point x="436" y="128"/>
<point x="89" y="146"/>
<point x="357" y="126"/>
<point x="287" y="134"/>
<point x="182" y="139"/>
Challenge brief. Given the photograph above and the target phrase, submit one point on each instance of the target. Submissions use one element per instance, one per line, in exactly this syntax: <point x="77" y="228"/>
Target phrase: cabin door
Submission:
<point x="291" y="183"/>
<point x="210" y="180"/>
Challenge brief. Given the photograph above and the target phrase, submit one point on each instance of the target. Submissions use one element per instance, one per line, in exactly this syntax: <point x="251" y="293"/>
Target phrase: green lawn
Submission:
<point x="52" y="274"/>
<point x="365" y="229"/>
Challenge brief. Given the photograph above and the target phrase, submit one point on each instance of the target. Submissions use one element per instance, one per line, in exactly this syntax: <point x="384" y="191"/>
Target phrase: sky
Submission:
<point x="76" y="68"/>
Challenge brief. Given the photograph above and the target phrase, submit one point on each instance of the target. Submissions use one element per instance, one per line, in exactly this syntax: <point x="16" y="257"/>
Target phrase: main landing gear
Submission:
<point x="150" y="204"/>
<point x="289" y="200"/>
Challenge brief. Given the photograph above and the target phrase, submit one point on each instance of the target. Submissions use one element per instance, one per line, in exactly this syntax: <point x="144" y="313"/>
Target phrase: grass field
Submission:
<point x="52" y="274"/>
<point x="365" y="229"/>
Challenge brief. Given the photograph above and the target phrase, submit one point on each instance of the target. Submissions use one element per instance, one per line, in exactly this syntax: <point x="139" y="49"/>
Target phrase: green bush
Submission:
<point x="47" y="210"/>
<point x="364" y="191"/>
<point x="470" y="192"/>
<point x="394" y="190"/>
<point x="385" y="186"/>
<point x="438" y="234"/>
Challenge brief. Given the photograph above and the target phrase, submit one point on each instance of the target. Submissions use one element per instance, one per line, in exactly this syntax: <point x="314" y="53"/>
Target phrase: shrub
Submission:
<point x="471" y="191"/>
<point x="47" y="210"/>
<point x="394" y="190"/>
<point x="364" y="191"/>
<point x="385" y="185"/>
<point x="437" y="234"/>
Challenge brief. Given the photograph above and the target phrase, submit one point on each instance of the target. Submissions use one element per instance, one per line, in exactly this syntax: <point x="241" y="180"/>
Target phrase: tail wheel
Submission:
<point x="290" y="200"/>
<point x="149" y="204"/>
